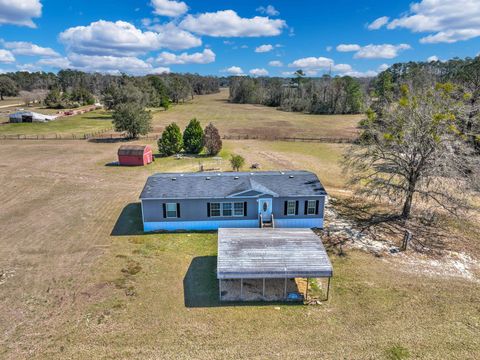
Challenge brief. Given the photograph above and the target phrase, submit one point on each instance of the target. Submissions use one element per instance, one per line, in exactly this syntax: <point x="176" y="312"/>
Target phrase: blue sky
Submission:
<point x="222" y="37"/>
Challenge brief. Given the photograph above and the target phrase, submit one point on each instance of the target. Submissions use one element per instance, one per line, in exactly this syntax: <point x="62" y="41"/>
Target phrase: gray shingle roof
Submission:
<point x="226" y="184"/>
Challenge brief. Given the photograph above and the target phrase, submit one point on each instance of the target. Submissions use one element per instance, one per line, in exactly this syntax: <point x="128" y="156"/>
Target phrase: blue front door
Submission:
<point x="265" y="209"/>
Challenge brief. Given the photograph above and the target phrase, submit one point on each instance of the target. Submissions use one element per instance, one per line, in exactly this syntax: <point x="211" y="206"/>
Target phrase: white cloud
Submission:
<point x="448" y="21"/>
<point x="269" y="10"/>
<point x="174" y="38"/>
<point x="378" y="23"/>
<point x="383" y="67"/>
<point x="348" y="47"/>
<point x="29" y="49"/>
<point x="360" y="74"/>
<point x="113" y="64"/>
<point x="384" y="51"/>
<point x="6" y="56"/>
<point x="342" y="68"/>
<point x="432" y="58"/>
<point x="329" y="48"/>
<point x="312" y="63"/>
<point x="205" y="57"/>
<point x="169" y="8"/>
<point x="234" y="70"/>
<point x="124" y="39"/>
<point x="275" y="63"/>
<point x="56" y="62"/>
<point x="20" y="12"/>
<point x="259" y="72"/>
<point x="227" y="23"/>
<point x="264" y="48"/>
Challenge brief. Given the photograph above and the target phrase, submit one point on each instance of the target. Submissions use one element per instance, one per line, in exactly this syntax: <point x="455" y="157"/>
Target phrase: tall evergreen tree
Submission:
<point x="193" y="137"/>
<point x="171" y="141"/>
<point x="213" y="142"/>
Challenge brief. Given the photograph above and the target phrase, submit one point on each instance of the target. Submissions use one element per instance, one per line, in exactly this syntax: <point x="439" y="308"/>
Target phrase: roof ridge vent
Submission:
<point x="174" y="178"/>
<point x="291" y="176"/>
<point x="236" y="177"/>
<point x="208" y="178"/>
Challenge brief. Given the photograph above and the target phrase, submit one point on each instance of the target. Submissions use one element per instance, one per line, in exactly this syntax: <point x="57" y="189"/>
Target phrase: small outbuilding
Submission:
<point x="135" y="155"/>
<point x="30" y="116"/>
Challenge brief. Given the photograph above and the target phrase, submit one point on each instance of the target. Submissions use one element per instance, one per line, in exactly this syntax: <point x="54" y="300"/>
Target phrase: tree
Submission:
<point x="213" y="142"/>
<point x="171" y="141"/>
<point x="237" y="162"/>
<point x="414" y="150"/>
<point x="54" y="99"/>
<point x="193" y="137"/>
<point x="132" y="118"/>
<point x="7" y="87"/>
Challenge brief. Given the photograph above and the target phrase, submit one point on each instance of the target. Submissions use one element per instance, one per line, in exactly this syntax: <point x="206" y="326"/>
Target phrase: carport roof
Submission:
<point x="271" y="253"/>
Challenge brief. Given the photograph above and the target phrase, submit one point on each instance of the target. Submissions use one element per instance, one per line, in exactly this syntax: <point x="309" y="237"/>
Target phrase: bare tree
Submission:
<point x="415" y="150"/>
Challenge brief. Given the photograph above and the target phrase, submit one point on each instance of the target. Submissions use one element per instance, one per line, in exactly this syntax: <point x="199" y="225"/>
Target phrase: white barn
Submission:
<point x="30" y="116"/>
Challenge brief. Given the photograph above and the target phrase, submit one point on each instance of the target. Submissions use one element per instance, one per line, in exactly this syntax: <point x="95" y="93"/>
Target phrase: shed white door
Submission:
<point x="265" y="209"/>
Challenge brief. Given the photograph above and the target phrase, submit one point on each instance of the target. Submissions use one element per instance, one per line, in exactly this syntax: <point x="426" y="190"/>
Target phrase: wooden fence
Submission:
<point x="102" y="136"/>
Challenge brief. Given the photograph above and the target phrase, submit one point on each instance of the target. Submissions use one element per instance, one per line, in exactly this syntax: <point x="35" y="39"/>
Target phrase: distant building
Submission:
<point x="30" y="116"/>
<point x="135" y="155"/>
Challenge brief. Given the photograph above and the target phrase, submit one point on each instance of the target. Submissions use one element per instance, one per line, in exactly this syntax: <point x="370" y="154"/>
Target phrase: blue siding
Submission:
<point x="198" y="225"/>
<point x="299" y="223"/>
<point x="216" y="224"/>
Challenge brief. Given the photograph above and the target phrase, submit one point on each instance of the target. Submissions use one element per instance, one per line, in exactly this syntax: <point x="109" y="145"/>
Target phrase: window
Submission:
<point x="238" y="209"/>
<point x="291" y="207"/>
<point x="215" y="209"/>
<point x="171" y="210"/>
<point x="227" y="209"/>
<point x="312" y="207"/>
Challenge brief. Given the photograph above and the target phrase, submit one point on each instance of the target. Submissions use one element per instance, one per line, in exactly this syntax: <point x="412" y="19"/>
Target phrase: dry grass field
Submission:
<point x="256" y="120"/>
<point x="80" y="280"/>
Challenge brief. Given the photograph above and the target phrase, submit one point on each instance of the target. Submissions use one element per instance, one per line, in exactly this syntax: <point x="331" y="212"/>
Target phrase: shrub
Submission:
<point x="132" y="118"/>
<point x="212" y="140"/>
<point x="193" y="137"/>
<point x="237" y="162"/>
<point x="171" y="141"/>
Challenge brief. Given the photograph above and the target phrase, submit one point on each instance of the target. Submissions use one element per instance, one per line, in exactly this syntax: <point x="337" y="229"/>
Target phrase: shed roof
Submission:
<point x="132" y="149"/>
<point x="271" y="253"/>
<point x="232" y="184"/>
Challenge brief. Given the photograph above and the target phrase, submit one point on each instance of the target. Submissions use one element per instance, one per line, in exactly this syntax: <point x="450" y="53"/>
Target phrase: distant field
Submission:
<point x="77" y="124"/>
<point x="256" y="120"/>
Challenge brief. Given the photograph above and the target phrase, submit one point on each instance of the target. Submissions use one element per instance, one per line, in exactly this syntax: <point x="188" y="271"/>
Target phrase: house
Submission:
<point x="209" y="201"/>
<point x="30" y="116"/>
<point x="135" y="155"/>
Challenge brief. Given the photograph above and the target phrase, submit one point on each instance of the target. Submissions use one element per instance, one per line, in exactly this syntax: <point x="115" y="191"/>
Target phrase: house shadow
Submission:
<point x="200" y="287"/>
<point x="129" y="222"/>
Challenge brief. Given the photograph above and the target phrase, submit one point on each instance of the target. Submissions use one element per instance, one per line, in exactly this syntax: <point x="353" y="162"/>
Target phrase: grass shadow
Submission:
<point x="129" y="222"/>
<point x="200" y="287"/>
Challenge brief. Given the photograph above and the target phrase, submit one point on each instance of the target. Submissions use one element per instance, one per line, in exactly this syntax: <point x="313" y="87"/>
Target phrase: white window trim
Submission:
<point x="294" y="207"/>
<point x="166" y="211"/>
<point x="314" y="207"/>
<point x="233" y="209"/>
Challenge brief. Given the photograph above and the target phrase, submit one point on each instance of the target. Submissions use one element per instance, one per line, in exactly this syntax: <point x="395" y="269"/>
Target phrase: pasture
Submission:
<point x="80" y="279"/>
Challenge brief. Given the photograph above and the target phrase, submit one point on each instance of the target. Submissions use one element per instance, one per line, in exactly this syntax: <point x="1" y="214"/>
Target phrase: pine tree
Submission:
<point x="171" y="141"/>
<point x="193" y="137"/>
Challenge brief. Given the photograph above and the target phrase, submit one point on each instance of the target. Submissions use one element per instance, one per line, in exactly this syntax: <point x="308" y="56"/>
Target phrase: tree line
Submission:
<point x="69" y="88"/>
<point x="325" y="95"/>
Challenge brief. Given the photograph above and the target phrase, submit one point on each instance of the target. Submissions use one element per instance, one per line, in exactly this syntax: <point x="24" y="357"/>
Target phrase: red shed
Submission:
<point x="135" y="155"/>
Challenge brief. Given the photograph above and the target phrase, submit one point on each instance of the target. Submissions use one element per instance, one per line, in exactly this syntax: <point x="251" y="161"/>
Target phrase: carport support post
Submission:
<point x="220" y="289"/>
<point x="241" y="289"/>
<point x="328" y="288"/>
<point x="285" y="290"/>
<point x="263" y="289"/>
<point x="306" y="291"/>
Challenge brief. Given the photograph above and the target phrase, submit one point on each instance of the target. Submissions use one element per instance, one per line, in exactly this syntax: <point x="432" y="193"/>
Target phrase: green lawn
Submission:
<point x="164" y="304"/>
<point x="78" y="124"/>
